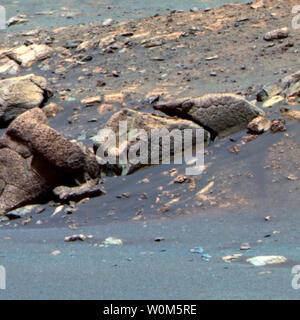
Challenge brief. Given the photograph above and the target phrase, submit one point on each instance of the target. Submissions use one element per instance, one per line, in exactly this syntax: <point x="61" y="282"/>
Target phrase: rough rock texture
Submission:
<point x="259" y="125"/>
<point x="276" y="34"/>
<point x="148" y="122"/>
<point x="8" y="66"/>
<point x="19" y="94"/>
<point x="86" y="190"/>
<point x="26" y="56"/>
<point x="34" y="158"/>
<point x="220" y="113"/>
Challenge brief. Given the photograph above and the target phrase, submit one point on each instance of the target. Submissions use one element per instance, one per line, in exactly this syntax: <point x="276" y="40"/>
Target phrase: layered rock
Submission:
<point x="35" y="158"/>
<point x="220" y="113"/>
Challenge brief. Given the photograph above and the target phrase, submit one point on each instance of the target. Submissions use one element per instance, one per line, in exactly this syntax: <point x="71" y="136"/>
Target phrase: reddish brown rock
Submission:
<point x="35" y="158"/>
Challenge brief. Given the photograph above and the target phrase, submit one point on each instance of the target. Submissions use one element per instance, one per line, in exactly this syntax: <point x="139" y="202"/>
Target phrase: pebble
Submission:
<point x="107" y="22"/>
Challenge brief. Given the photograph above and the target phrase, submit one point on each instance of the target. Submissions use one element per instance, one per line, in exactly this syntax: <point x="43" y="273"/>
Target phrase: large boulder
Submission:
<point x="19" y="94"/>
<point x="35" y="158"/>
<point x="139" y="138"/>
<point x="221" y="113"/>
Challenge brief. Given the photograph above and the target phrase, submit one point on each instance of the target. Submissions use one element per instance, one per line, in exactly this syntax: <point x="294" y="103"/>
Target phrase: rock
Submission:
<point x="107" y="41"/>
<point x="19" y="94"/>
<point x="21" y="212"/>
<point x="273" y="101"/>
<point x="219" y="113"/>
<point x="26" y="56"/>
<point x="231" y="258"/>
<point x="197" y="250"/>
<point x="19" y="19"/>
<point x="264" y="260"/>
<point x="268" y="91"/>
<point x="52" y="109"/>
<point x="258" y="4"/>
<point x="293" y="115"/>
<point x="276" y="34"/>
<point x="278" y="126"/>
<point x="290" y="80"/>
<point x="245" y="246"/>
<point x="55" y="252"/>
<point x="87" y="45"/>
<point x="91" y="101"/>
<point x="86" y="190"/>
<point x="77" y="237"/>
<point x="261" y="95"/>
<point x="139" y="121"/>
<point x="111" y="241"/>
<point x="35" y="158"/>
<point x="259" y="125"/>
<point x="291" y="87"/>
<point x="108" y="22"/>
<point x="8" y="66"/>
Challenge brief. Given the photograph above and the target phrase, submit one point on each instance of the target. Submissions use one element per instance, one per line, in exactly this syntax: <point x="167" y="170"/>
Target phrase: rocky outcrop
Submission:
<point x="19" y="94"/>
<point x="35" y="158"/>
<point x="220" y="113"/>
<point x="12" y="60"/>
<point x="130" y="139"/>
<point x="26" y="56"/>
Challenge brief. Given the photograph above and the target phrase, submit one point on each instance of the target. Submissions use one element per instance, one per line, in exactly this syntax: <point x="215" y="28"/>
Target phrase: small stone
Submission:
<point x="259" y="125"/>
<point x="75" y="237"/>
<point x="86" y="190"/>
<point x="107" y="22"/>
<point x="276" y="34"/>
<point x="113" y="241"/>
<point x="197" y="250"/>
<point x="264" y="260"/>
<point x="91" y="101"/>
<point x="231" y="258"/>
<point x="278" y="126"/>
<point x="55" y="252"/>
<point x="245" y="246"/>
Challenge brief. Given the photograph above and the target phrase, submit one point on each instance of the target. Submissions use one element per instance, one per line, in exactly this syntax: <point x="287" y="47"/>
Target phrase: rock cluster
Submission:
<point x="35" y="158"/>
